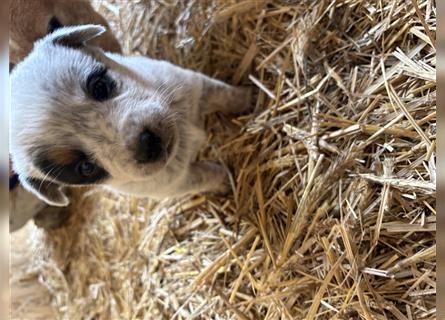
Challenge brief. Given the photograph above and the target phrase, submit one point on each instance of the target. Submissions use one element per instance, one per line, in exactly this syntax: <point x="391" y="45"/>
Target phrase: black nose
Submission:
<point x="149" y="147"/>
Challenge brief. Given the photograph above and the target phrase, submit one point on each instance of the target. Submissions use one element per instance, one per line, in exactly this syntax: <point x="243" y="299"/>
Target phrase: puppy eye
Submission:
<point x="99" y="85"/>
<point x="100" y="90"/>
<point x="53" y="25"/>
<point x="86" y="168"/>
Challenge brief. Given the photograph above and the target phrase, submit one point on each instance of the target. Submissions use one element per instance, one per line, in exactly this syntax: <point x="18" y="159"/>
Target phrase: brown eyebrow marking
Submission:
<point x="62" y="156"/>
<point x="61" y="164"/>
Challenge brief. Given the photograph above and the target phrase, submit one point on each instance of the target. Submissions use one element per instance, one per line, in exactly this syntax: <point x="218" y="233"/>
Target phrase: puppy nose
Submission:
<point x="149" y="147"/>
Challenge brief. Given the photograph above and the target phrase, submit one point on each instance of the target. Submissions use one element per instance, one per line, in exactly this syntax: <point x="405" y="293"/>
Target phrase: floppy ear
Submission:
<point x="75" y="36"/>
<point x="47" y="191"/>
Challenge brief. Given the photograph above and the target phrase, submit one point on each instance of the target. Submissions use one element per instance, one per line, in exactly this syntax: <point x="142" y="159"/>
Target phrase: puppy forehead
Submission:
<point x="60" y="61"/>
<point x="49" y="62"/>
<point x="52" y="78"/>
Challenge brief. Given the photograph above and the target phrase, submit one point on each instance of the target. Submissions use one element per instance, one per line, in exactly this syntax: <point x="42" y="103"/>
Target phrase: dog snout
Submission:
<point x="149" y="147"/>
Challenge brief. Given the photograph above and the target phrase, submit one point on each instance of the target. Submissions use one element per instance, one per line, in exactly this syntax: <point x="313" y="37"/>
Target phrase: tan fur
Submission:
<point x="62" y="156"/>
<point x="29" y="22"/>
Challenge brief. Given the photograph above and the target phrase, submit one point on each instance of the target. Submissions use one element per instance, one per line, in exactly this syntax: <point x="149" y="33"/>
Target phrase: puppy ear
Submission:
<point x="47" y="191"/>
<point x="75" y="36"/>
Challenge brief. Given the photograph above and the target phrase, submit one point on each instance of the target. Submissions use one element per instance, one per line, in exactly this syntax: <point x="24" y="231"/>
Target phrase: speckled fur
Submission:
<point x="50" y="109"/>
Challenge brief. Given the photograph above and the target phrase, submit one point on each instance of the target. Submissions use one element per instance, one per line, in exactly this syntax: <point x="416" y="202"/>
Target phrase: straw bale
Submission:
<point x="332" y="214"/>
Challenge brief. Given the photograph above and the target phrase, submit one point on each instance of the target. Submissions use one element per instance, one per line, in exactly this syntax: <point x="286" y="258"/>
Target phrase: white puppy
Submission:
<point x="81" y="116"/>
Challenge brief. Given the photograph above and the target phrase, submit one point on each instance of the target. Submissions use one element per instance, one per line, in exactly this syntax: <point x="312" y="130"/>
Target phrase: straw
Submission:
<point x="334" y="174"/>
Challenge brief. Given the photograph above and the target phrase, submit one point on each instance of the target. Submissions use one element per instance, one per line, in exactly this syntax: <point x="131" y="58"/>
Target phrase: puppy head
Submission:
<point x="80" y="116"/>
<point x="32" y="20"/>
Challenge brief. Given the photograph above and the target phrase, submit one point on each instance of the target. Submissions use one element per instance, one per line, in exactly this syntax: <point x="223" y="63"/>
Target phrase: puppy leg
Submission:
<point x="219" y="96"/>
<point x="205" y="176"/>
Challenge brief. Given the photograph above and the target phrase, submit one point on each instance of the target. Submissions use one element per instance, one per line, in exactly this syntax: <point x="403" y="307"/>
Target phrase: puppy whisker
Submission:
<point x="47" y="176"/>
<point x="169" y="97"/>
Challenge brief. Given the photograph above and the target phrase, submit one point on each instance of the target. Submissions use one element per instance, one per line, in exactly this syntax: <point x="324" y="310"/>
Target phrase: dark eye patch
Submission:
<point x="100" y="86"/>
<point x="53" y="25"/>
<point x="65" y="166"/>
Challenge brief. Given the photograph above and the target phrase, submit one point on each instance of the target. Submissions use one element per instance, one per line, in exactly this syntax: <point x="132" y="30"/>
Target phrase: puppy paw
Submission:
<point x="221" y="182"/>
<point x="243" y="100"/>
<point x="223" y="189"/>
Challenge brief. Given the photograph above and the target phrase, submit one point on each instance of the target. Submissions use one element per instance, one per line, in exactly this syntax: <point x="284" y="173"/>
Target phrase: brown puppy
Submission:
<point x="31" y="20"/>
